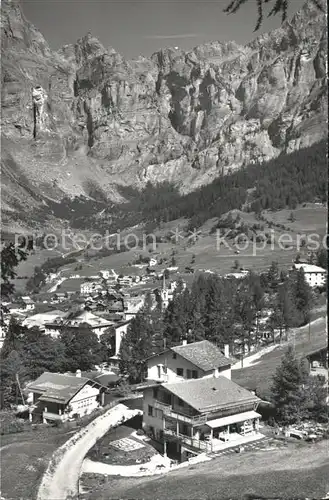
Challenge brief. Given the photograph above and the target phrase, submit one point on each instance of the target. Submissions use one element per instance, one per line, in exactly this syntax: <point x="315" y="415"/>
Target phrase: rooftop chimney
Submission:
<point x="78" y="373"/>
<point x="226" y="351"/>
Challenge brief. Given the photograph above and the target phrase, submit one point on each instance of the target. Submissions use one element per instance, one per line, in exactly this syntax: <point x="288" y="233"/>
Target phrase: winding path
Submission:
<point x="60" y="481"/>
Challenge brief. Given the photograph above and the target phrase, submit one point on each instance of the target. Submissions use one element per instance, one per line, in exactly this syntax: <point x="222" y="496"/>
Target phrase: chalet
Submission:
<point x="78" y="320"/>
<point x="40" y="320"/>
<point x="28" y="303"/>
<point x="58" y="297"/>
<point x="317" y="358"/>
<point x="61" y="397"/>
<point x="196" y="360"/>
<point x="115" y="302"/>
<point x="315" y="276"/>
<point x="89" y="287"/>
<point x="132" y="305"/>
<point x="125" y="280"/>
<point x="203" y="415"/>
<point x="118" y="331"/>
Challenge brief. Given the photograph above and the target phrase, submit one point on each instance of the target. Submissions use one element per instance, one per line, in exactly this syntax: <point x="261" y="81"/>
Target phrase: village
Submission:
<point x="185" y="408"/>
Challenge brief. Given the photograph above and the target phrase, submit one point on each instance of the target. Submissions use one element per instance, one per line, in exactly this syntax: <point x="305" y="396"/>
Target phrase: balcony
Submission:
<point x="170" y="412"/>
<point x="188" y="440"/>
<point x="54" y="416"/>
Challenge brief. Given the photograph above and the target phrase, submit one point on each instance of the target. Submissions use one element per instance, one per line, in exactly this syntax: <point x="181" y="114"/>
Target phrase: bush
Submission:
<point x="10" y="424"/>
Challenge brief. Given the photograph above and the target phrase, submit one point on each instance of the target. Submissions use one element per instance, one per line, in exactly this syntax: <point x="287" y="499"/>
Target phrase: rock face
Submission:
<point x="184" y="117"/>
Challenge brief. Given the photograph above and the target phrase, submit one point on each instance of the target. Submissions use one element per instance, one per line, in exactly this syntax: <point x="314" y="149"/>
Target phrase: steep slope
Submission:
<point x="84" y="117"/>
<point x="43" y="151"/>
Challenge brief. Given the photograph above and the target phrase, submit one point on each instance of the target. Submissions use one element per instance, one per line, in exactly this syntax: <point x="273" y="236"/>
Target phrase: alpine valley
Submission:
<point x="84" y="120"/>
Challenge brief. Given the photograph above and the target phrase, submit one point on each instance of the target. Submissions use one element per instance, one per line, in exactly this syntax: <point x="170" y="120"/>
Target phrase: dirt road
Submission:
<point x="60" y="481"/>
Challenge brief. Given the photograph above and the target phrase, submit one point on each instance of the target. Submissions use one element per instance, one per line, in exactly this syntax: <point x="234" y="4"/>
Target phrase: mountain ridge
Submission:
<point x="184" y="117"/>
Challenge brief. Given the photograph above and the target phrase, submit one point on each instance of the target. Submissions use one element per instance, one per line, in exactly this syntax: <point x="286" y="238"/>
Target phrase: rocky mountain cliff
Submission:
<point x="85" y="118"/>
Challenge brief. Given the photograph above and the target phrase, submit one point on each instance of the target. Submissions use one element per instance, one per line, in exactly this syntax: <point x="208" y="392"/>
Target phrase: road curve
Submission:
<point x="60" y="481"/>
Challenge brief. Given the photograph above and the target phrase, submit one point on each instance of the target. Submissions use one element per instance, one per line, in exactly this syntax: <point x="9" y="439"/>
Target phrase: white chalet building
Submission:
<point x="191" y="406"/>
<point x="315" y="276"/>
<point x="61" y="397"/>
<point x="198" y="360"/>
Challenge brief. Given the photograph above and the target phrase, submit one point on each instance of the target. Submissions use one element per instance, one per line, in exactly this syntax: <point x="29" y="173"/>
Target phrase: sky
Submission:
<point x="141" y="27"/>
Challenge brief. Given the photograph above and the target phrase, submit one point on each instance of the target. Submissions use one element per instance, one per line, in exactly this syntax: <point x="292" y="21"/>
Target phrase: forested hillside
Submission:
<point x="285" y="181"/>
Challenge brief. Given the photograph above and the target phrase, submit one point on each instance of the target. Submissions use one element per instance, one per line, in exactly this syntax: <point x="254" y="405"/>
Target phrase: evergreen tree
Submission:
<point x="41" y="353"/>
<point x="10" y="259"/>
<point x="314" y="396"/>
<point x="81" y="349"/>
<point x="14" y="338"/>
<point x="284" y="315"/>
<point x="176" y="318"/>
<point x="107" y="343"/>
<point x="286" y="389"/>
<point x="273" y="276"/>
<point x="136" y="347"/>
<point x="322" y="258"/>
<point x="12" y="373"/>
<point x="302" y="295"/>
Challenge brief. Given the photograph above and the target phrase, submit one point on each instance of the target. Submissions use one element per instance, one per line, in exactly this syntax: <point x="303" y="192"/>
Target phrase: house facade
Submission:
<point x="89" y="287"/>
<point x="39" y="320"/>
<point x="79" y="320"/>
<point x="202" y="415"/>
<point x="318" y="362"/>
<point x="29" y="304"/>
<point x="190" y="404"/>
<point x="189" y="361"/>
<point x="315" y="276"/>
<point x="61" y="397"/>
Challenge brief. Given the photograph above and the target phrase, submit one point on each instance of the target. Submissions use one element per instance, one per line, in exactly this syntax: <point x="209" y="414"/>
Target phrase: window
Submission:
<point x="180" y="402"/>
<point x="195" y="374"/>
<point x="164" y="368"/>
<point x="158" y="413"/>
<point x="155" y="393"/>
<point x="180" y="372"/>
<point x="150" y="411"/>
<point x="188" y="374"/>
<point x="159" y="371"/>
<point x="174" y="355"/>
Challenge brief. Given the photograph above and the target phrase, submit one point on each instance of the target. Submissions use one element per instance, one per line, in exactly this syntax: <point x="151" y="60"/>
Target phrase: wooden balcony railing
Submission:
<point x="172" y="412"/>
<point x="188" y="440"/>
<point x="54" y="416"/>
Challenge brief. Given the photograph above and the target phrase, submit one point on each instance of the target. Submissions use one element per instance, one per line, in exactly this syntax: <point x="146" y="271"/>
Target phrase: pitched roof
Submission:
<point x="309" y="268"/>
<point x="57" y="387"/>
<point x="206" y="394"/>
<point x="203" y="354"/>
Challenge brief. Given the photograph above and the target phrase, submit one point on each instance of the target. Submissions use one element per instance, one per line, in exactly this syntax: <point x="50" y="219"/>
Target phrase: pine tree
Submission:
<point x="136" y="346"/>
<point x="10" y="259"/>
<point x="14" y="338"/>
<point x="12" y="370"/>
<point x="81" y="349"/>
<point x="314" y="395"/>
<point x="322" y="258"/>
<point x="41" y="353"/>
<point x="107" y="342"/>
<point x="302" y="295"/>
<point x="286" y="389"/>
<point x="273" y="276"/>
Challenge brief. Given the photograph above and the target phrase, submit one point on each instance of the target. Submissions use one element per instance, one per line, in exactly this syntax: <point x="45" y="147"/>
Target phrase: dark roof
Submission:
<point x="207" y="394"/>
<point x="57" y="387"/>
<point x="203" y="354"/>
